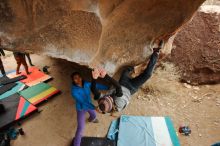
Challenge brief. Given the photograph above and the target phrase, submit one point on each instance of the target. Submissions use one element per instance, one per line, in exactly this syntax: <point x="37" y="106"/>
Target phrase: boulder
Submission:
<point x="196" y="48"/>
<point x="111" y="33"/>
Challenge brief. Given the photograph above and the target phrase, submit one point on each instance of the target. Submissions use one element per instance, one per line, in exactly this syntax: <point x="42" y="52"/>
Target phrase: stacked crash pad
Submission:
<point x="10" y="86"/>
<point x="16" y="107"/>
<point x="143" y="131"/>
<point x="6" y="88"/>
<point x="5" y="80"/>
<point x="20" y="93"/>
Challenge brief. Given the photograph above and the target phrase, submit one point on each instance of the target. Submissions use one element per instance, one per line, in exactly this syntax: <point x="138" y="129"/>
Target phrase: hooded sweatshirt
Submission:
<point x="82" y="95"/>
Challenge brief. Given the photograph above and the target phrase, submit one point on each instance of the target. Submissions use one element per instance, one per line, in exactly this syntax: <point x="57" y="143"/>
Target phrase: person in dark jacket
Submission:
<point x="118" y="98"/>
<point x="2" y="53"/>
<point x="82" y="94"/>
<point x="20" y="59"/>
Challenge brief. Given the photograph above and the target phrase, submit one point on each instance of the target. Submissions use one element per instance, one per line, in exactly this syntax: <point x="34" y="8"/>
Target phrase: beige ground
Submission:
<point x="163" y="95"/>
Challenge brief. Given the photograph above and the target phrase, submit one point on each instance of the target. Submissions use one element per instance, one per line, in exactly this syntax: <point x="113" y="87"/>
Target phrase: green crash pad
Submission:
<point x="38" y="93"/>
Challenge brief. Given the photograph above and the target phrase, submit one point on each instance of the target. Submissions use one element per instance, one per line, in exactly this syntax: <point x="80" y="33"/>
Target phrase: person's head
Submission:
<point x="76" y="78"/>
<point x="106" y="104"/>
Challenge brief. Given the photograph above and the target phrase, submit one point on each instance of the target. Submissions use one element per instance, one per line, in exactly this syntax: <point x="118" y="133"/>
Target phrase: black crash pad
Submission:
<point x="5" y="80"/>
<point x="16" y="107"/>
<point x="6" y="88"/>
<point x="96" y="141"/>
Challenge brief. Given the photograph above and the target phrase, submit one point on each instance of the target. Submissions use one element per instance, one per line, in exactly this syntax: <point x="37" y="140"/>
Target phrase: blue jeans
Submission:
<point x="81" y="124"/>
<point x="133" y="84"/>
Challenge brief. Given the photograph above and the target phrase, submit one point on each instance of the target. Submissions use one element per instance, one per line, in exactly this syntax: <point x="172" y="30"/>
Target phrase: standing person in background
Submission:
<point x="29" y="59"/>
<point x="82" y="95"/>
<point x="20" y="59"/>
<point x="2" y="53"/>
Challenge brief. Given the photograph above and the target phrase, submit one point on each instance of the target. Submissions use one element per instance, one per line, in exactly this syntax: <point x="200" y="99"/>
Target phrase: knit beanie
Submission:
<point x="106" y="104"/>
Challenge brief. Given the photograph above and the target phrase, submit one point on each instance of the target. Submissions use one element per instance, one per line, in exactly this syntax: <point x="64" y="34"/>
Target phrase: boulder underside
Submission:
<point x="110" y="33"/>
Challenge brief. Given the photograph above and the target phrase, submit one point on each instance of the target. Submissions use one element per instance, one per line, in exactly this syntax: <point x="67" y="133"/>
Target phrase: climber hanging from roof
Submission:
<point x="118" y="98"/>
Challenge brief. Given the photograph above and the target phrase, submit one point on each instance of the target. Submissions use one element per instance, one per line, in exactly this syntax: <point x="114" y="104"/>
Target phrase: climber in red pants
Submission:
<point x="20" y="59"/>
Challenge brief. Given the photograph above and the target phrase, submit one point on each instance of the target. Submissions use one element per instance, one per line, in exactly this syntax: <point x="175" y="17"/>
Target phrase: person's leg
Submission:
<point x="80" y="127"/>
<point x="18" y="68"/>
<point x="125" y="79"/>
<point x="143" y="77"/>
<point x="18" y="60"/>
<point x="29" y="59"/>
<point x="125" y="76"/>
<point x="92" y="115"/>
<point x="2" y="67"/>
<point x="24" y="63"/>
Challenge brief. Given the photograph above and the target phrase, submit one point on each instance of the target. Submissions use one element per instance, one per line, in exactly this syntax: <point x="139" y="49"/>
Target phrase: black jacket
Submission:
<point x="113" y="82"/>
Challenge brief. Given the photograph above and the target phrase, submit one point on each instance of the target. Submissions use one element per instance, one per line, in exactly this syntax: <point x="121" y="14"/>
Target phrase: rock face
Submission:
<point x="197" y="49"/>
<point x="107" y="32"/>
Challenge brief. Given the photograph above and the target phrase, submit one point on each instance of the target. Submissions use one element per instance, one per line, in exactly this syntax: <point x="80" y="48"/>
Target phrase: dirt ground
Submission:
<point x="163" y="95"/>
